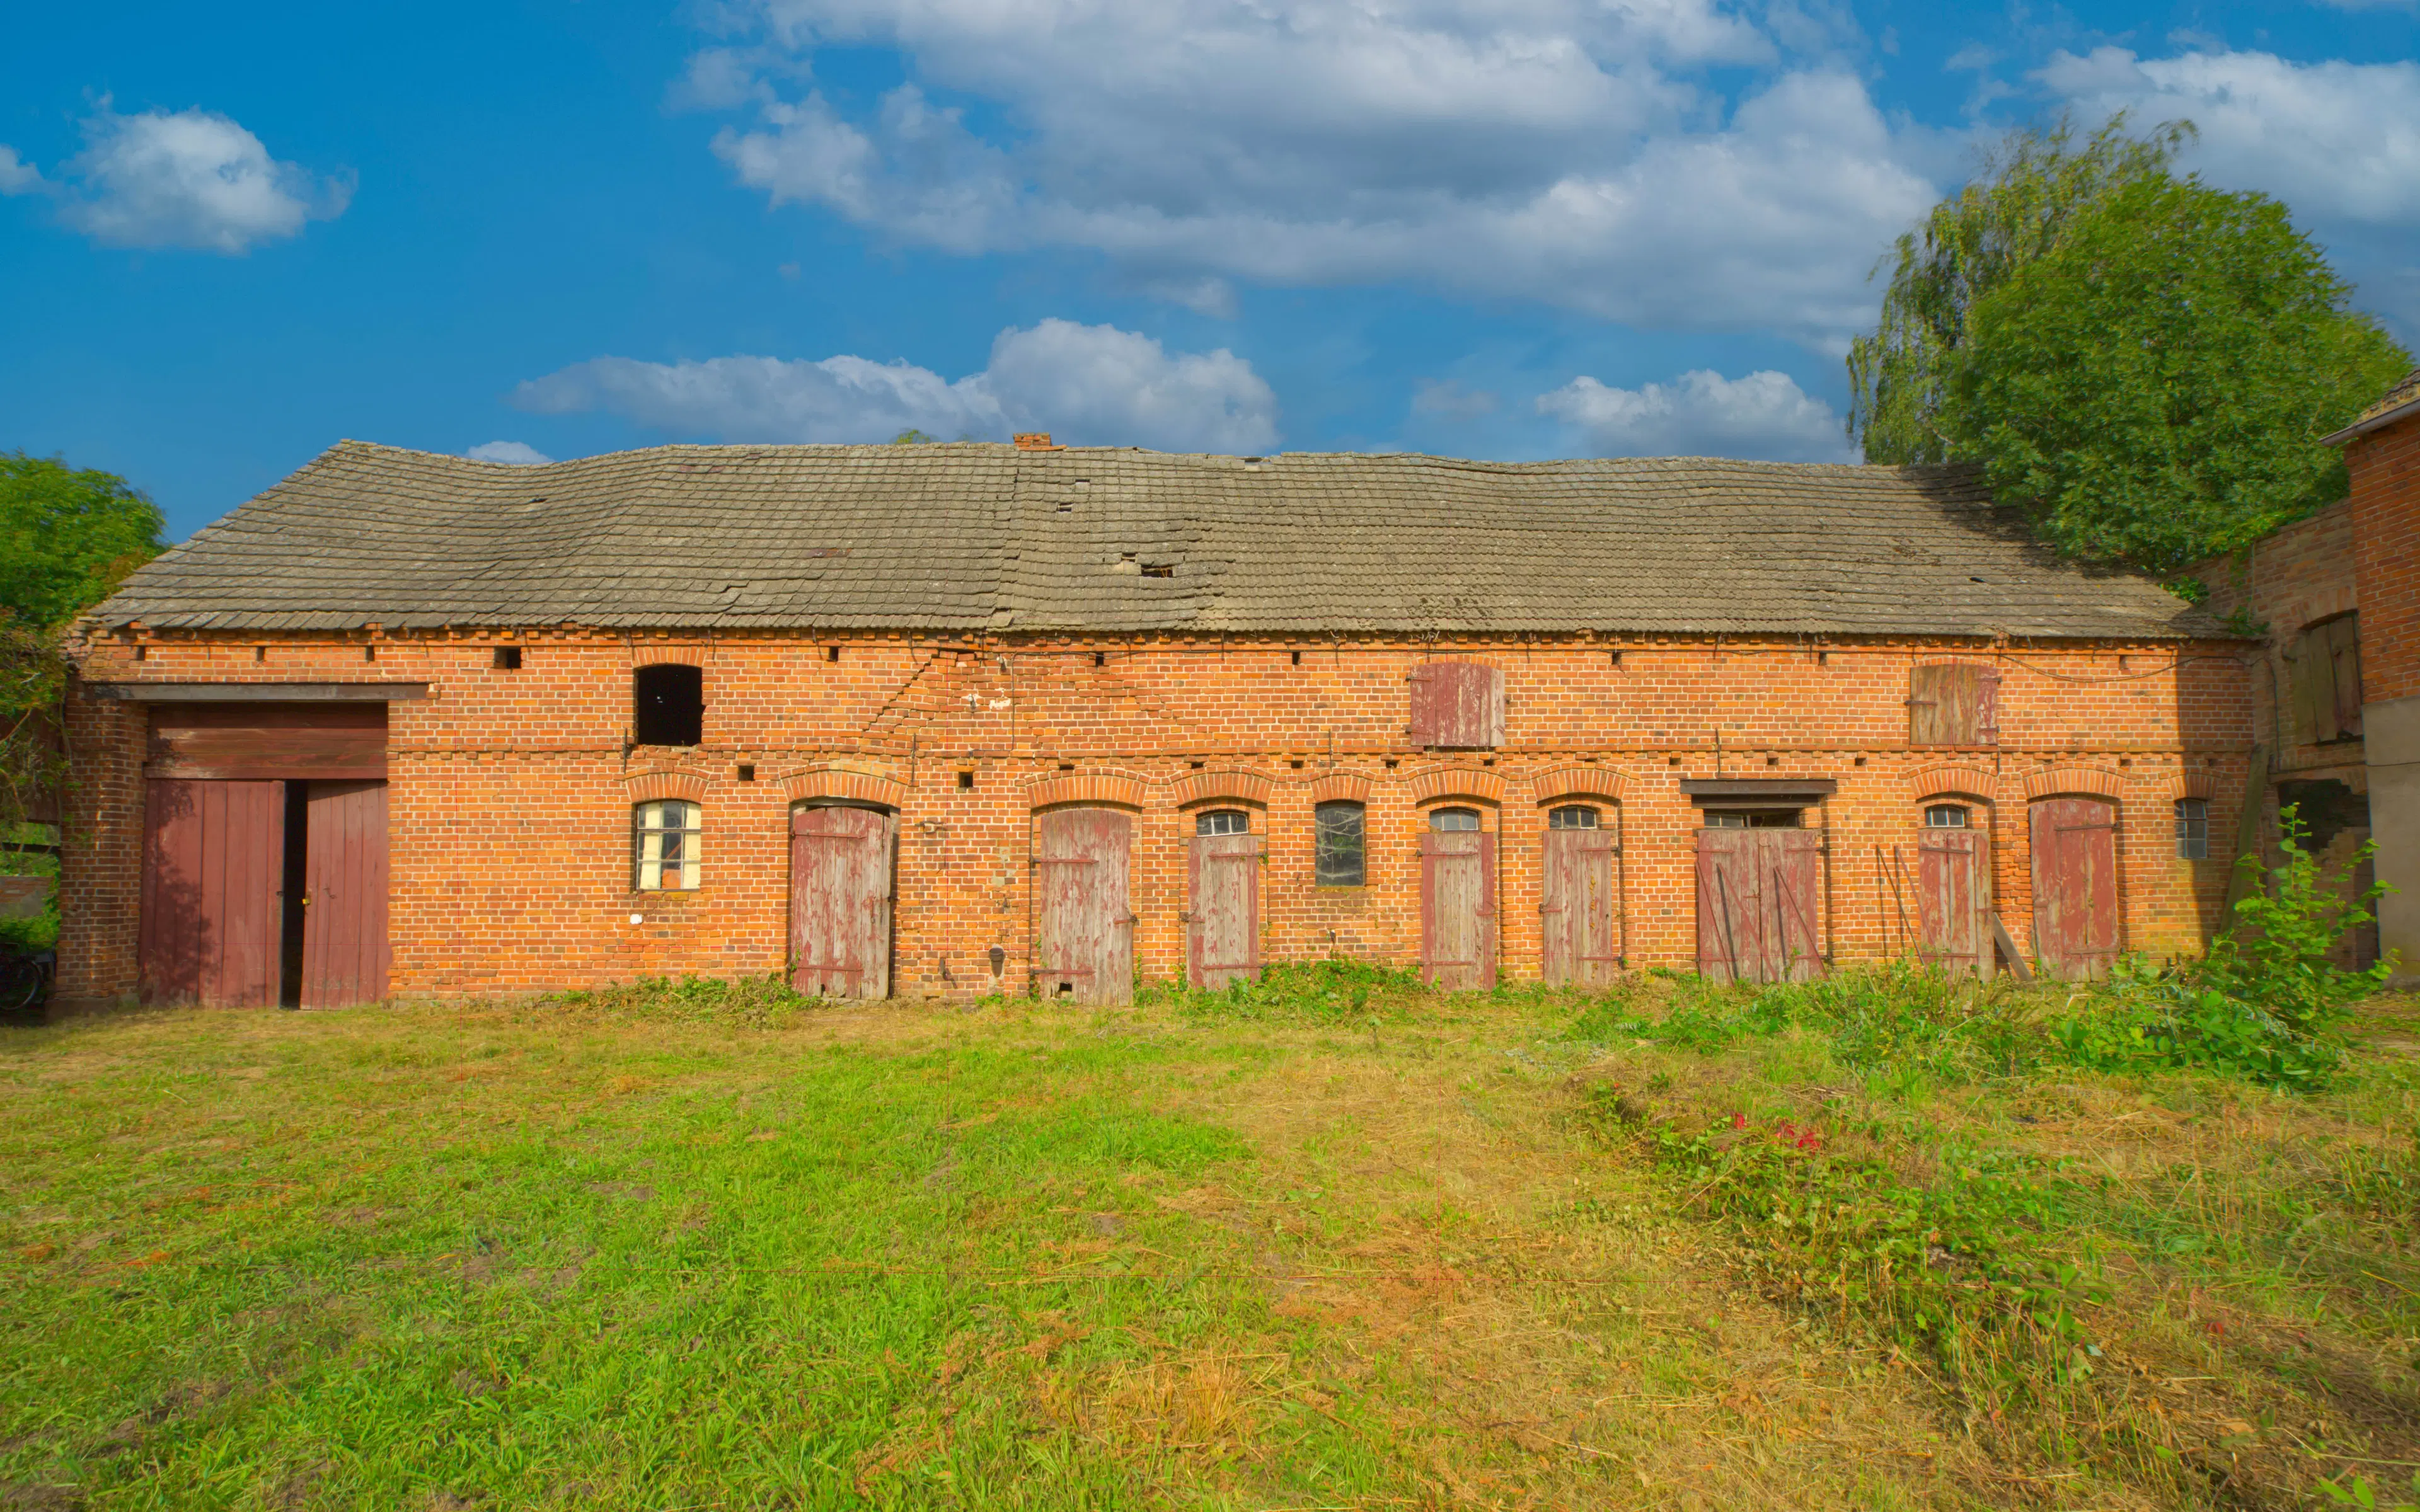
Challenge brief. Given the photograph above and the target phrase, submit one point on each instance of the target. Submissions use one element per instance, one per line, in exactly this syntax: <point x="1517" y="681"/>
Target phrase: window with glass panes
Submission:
<point x="1572" y="816"/>
<point x="1946" y="816"/>
<point x="667" y="836"/>
<point x="1223" y="822"/>
<point x="2193" y="829"/>
<point x="1341" y="859"/>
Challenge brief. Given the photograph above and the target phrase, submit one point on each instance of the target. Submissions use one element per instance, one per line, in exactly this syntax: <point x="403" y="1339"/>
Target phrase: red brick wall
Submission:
<point x="2385" y="467"/>
<point x="511" y="790"/>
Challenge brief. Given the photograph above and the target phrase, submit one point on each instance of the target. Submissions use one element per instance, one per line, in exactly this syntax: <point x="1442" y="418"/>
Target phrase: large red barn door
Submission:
<point x="1458" y="909"/>
<point x="213" y="861"/>
<point x="344" y="916"/>
<point x="2075" y="887"/>
<point x="1949" y="901"/>
<point x="840" y="901"/>
<point x="1580" y="913"/>
<point x="1757" y="894"/>
<point x="1222" y="935"/>
<point x="1083" y="923"/>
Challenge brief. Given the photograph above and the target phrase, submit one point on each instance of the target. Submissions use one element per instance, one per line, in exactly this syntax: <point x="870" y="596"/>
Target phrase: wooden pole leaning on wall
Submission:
<point x="2247" y="834"/>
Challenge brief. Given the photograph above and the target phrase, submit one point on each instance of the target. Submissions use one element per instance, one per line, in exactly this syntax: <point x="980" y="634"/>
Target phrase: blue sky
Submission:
<point x="230" y="236"/>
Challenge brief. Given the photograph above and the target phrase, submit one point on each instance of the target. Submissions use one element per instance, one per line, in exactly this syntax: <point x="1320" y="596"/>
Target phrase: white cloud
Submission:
<point x="188" y="178"/>
<point x="17" y="176"/>
<point x="518" y="453"/>
<point x="2336" y="140"/>
<point x="1552" y="149"/>
<point x="1764" y="415"/>
<point x="1086" y="384"/>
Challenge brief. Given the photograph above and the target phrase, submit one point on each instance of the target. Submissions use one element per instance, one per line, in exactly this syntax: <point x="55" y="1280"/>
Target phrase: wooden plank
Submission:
<point x="2247" y="835"/>
<point x="2344" y="657"/>
<point x="346" y="950"/>
<point x="2008" y="952"/>
<point x="266" y="741"/>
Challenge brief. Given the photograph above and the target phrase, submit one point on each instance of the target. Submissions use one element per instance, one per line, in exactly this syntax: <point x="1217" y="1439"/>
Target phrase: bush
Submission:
<point x="1339" y="990"/>
<point x="754" y="1002"/>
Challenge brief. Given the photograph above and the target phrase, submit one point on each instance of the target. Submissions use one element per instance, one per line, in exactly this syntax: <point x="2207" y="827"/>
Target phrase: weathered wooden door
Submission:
<point x="840" y="901"/>
<point x="1083" y="923"/>
<point x="1458" y="909"/>
<point x="345" y="950"/>
<point x="2075" y="887"/>
<point x="1758" y="895"/>
<point x="213" y="864"/>
<point x="1950" y="900"/>
<point x="1222" y="920"/>
<point x="1581" y="913"/>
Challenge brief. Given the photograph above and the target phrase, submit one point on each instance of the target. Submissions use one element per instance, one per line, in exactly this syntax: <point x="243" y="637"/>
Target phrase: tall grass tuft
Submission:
<point x="746" y="1002"/>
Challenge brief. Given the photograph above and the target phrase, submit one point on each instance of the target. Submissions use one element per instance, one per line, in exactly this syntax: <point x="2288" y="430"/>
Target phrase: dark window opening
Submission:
<point x="509" y="658"/>
<point x="369" y="653"/>
<point x="1946" y="816"/>
<point x="1454" y="821"/>
<point x="1752" y="819"/>
<point x="142" y="653"/>
<point x="1613" y="658"/>
<point x="1297" y="659"/>
<point x="669" y="705"/>
<point x="831" y="653"/>
<point x="966" y="781"/>
<point x="1223" y="822"/>
<point x="1572" y="816"/>
<point x="1339" y="858"/>
<point x="1296" y="765"/>
<point x="1067" y="766"/>
<point x="1100" y="658"/>
<point x="1159" y="569"/>
<point x="748" y="771"/>
<point x="2327" y="809"/>
<point x="2193" y="829"/>
<point x="260" y="653"/>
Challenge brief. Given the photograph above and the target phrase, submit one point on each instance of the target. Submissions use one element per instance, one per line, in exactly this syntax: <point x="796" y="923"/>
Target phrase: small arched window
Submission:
<point x="2193" y="829"/>
<point x="1448" y="821"/>
<point x="666" y="838"/>
<point x="1946" y="816"/>
<point x="1572" y="816"/>
<point x="1222" y="822"/>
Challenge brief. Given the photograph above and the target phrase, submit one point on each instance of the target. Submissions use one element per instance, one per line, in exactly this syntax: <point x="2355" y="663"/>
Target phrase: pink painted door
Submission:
<point x="2075" y="887"/>
<point x="1222" y="933"/>
<point x="345" y="952"/>
<point x="1458" y="909"/>
<point x="840" y="901"/>
<point x="1758" y="892"/>
<point x="213" y="864"/>
<point x="1083" y="922"/>
<point x="1581" y="915"/>
<point x="1949" y="901"/>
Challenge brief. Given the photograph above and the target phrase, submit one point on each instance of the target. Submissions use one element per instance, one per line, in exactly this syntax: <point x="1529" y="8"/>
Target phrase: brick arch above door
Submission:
<point x="1576" y="782"/>
<point x="1121" y="789"/>
<point x="840" y="782"/>
<point x="1938" y="781"/>
<point x="1239" y="784"/>
<point x="2088" y="781"/>
<point x="1457" y="782"/>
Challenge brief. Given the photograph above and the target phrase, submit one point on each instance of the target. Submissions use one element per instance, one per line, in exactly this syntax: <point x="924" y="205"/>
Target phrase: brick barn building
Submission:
<point x="957" y="719"/>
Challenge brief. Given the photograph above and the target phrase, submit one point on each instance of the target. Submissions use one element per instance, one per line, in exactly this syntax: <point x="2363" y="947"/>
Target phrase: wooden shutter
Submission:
<point x="2323" y="672"/>
<point x="1953" y="704"/>
<point x="1457" y="704"/>
<point x="2344" y="669"/>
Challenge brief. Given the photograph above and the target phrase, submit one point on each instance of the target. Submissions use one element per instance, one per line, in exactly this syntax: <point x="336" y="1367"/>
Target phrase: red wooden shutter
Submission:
<point x="1457" y="704"/>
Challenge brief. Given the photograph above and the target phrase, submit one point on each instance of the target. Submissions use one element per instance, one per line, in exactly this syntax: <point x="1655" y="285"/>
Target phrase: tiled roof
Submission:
<point x="973" y="536"/>
<point x="2396" y="398"/>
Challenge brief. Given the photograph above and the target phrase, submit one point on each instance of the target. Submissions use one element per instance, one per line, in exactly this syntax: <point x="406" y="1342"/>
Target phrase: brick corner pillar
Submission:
<point x="2384" y="462"/>
<point x="102" y="857"/>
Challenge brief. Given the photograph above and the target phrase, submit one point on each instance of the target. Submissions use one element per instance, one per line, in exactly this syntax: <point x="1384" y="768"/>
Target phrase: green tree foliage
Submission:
<point x="2154" y="387"/>
<point x="2030" y="190"/>
<point x="67" y="538"/>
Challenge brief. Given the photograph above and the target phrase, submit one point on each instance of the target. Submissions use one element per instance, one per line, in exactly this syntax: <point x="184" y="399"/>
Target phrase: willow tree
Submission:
<point x="2031" y="190"/>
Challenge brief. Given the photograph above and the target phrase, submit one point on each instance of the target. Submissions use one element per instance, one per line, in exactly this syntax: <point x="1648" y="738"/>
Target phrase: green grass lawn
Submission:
<point x="1358" y="1247"/>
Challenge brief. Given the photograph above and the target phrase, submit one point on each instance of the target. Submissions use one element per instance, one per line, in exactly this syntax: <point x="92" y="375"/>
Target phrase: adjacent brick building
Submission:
<point x="965" y="718"/>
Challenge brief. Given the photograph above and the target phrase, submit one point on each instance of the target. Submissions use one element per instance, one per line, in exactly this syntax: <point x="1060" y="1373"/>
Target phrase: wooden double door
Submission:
<point x="843" y="866"/>
<point x="1760" y="894"/>
<point x="2077" y="929"/>
<point x="260" y="893"/>
<point x="1083" y="914"/>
